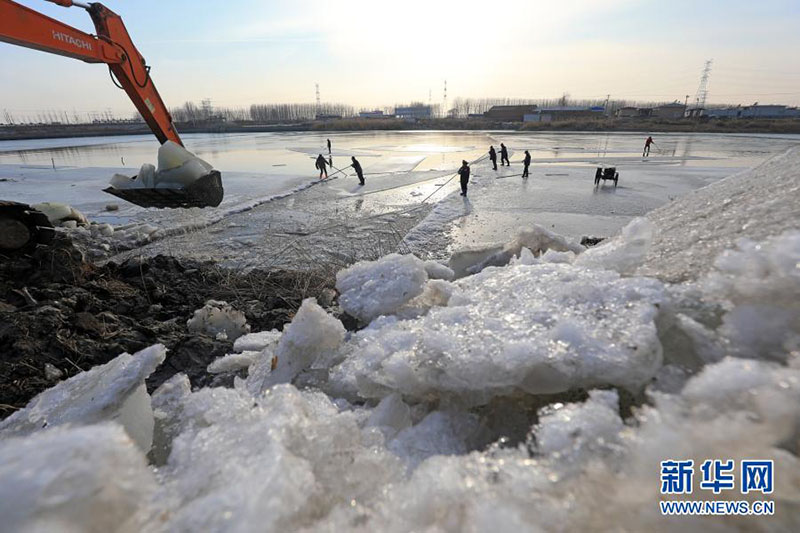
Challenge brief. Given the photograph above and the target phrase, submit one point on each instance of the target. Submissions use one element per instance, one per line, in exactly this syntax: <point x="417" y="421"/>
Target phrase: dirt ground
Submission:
<point x="58" y="309"/>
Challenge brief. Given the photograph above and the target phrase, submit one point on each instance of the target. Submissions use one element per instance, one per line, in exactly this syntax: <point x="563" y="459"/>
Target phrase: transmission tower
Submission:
<point x="319" y="106"/>
<point x="702" y="89"/>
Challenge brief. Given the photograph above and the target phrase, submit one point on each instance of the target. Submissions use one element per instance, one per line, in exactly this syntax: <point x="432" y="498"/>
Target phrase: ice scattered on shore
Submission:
<point x="220" y="319"/>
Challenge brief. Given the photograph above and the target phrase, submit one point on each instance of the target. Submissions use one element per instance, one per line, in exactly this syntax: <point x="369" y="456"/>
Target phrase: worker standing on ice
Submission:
<point x="329" y="147"/>
<point x="526" y="162"/>
<point x="504" y="155"/>
<point x="647" y="143"/>
<point x="493" y="157"/>
<point x="322" y="165"/>
<point x="464" y="173"/>
<point x="359" y="171"/>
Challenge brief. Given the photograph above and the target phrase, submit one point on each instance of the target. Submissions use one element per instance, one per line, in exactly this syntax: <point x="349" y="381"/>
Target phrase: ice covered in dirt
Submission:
<point x="219" y="319"/>
<point x="113" y="391"/>
<point x="370" y="289"/>
<point x="90" y="478"/>
<point x="535" y="329"/>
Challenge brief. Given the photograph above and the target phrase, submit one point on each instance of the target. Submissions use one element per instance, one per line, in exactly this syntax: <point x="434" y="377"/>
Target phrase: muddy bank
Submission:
<point x="61" y="314"/>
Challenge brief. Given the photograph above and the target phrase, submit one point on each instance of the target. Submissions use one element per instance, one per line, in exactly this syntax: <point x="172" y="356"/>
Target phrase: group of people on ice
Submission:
<point x="322" y="164"/>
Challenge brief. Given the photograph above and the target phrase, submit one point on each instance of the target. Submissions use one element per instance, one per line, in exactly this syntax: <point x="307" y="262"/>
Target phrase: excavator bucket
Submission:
<point x="205" y="191"/>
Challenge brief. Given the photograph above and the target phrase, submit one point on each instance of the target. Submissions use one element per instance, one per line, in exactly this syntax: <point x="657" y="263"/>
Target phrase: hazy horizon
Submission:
<point x="366" y="54"/>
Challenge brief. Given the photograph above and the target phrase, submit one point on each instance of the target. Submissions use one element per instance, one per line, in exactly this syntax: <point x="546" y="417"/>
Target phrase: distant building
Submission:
<point x="554" y="114"/>
<point x="372" y="114"/>
<point x="510" y="113"/>
<point x="695" y="112"/>
<point x="413" y="112"/>
<point x="628" y="112"/>
<point x="327" y="116"/>
<point x="671" y="111"/>
<point x="771" y="111"/>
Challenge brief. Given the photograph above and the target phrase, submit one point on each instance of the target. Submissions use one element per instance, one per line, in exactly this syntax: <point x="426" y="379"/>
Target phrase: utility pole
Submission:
<point x="444" y="105"/>
<point x="605" y="106"/>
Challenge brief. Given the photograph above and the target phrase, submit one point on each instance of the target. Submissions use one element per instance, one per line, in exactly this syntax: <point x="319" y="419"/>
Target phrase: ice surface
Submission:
<point x="91" y="478"/>
<point x="219" y="318"/>
<point x="540" y="329"/>
<point x="113" y="391"/>
<point x="373" y="288"/>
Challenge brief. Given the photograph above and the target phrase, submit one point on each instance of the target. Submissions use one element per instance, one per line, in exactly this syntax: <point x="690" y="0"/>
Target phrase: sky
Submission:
<point x="370" y="53"/>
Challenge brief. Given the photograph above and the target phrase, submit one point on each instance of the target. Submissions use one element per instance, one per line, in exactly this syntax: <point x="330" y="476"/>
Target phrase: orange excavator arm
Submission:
<point x="112" y="45"/>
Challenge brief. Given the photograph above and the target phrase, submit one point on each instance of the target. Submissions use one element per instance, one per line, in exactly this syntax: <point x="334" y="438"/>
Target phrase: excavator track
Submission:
<point x="22" y="227"/>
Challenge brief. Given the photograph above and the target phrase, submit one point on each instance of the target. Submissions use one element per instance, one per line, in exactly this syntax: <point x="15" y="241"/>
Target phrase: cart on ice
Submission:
<point x="607" y="173"/>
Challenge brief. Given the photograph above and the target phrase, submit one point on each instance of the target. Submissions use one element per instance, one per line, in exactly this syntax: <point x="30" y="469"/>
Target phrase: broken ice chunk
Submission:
<point x="177" y="168"/>
<point x="623" y="253"/>
<point x="90" y="478"/>
<point x="217" y="317"/>
<point x="256" y="341"/>
<point x="437" y="270"/>
<point x="373" y="288"/>
<point x="311" y="334"/>
<point x="113" y="391"/>
<point x="541" y="329"/>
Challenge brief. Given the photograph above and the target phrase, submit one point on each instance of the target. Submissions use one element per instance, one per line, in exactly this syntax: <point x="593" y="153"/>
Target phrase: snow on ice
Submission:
<point x="407" y="424"/>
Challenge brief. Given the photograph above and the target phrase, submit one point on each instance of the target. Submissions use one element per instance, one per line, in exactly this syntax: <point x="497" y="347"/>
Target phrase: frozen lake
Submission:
<point x="402" y="169"/>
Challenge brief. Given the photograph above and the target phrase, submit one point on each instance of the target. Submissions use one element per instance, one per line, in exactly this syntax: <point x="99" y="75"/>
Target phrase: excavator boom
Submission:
<point x="112" y="45"/>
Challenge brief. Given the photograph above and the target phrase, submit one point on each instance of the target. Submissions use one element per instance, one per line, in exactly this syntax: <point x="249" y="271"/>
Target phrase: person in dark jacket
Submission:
<point x="329" y="146"/>
<point x="359" y="171"/>
<point x="464" y="173"/>
<point x="647" y="143"/>
<point x="322" y="165"/>
<point x="526" y="162"/>
<point x="504" y="155"/>
<point x="493" y="157"/>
